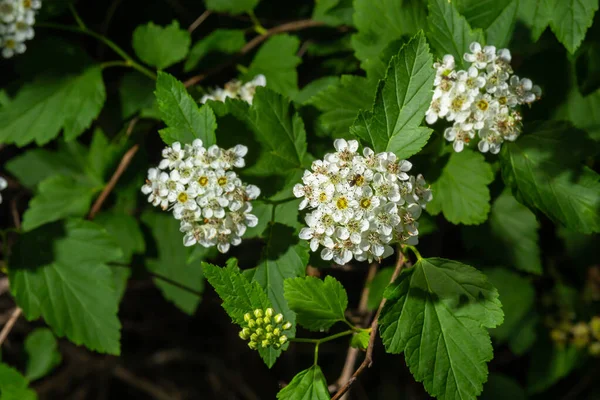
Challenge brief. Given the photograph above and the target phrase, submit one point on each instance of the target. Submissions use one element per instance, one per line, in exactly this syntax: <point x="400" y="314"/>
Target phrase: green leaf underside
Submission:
<point x="277" y="61"/>
<point x="515" y="226"/>
<point x="461" y="192"/>
<point x="67" y="282"/>
<point x="436" y="314"/>
<point x="233" y="7"/>
<point x="59" y="197"/>
<point x="172" y="263"/>
<point x="240" y="296"/>
<point x="185" y="121"/>
<point x="340" y="103"/>
<point x="309" y="384"/>
<point x="318" y="304"/>
<point x="582" y="111"/>
<point x="226" y="41"/>
<point x="136" y="93"/>
<point x="283" y="258"/>
<point x="280" y="131"/>
<point x="49" y="104"/>
<point x="160" y="46"/>
<point x="400" y="103"/>
<point x="13" y="386"/>
<point x="544" y="171"/>
<point x="449" y="32"/>
<point x="126" y="231"/>
<point x="334" y="12"/>
<point x="42" y="353"/>
<point x="380" y="22"/>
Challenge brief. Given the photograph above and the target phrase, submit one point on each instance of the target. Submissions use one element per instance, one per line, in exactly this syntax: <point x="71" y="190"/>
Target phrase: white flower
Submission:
<point x="357" y="201"/>
<point x="17" y="18"/>
<point x="236" y="90"/>
<point x="3" y="185"/>
<point x="480" y="57"/>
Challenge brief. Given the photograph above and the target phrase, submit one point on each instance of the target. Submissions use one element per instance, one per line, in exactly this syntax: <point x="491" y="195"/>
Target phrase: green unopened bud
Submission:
<point x="269" y="328"/>
<point x="259" y="321"/>
<point x="245" y="334"/>
<point x="276" y="345"/>
<point x="254" y="337"/>
<point x="595" y="327"/>
<point x="251" y="323"/>
<point x="278" y="318"/>
<point x="269" y="336"/>
<point x="286" y="326"/>
<point x="283" y="339"/>
<point x="247" y="317"/>
<point x="276" y="332"/>
<point x="267" y="319"/>
<point x="258" y="313"/>
<point x="594" y="349"/>
<point x="269" y="312"/>
<point x="259" y="331"/>
<point x="265" y="343"/>
<point x="252" y="345"/>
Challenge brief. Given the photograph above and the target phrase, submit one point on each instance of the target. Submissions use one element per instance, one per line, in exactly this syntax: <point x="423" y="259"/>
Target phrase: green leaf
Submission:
<point x="59" y="197"/>
<point x="280" y="131"/>
<point x="66" y="280"/>
<point x="333" y="12"/>
<point x="233" y="7"/>
<point x="180" y="112"/>
<point x="312" y="89"/>
<point x="13" y="386"/>
<point x="380" y="22"/>
<point x="449" y="32"/>
<point x="283" y="258"/>
<point x="277" y="61"/>
<point x="550" y="363"/>
<point x="583" y="112"/>
<point x="437" y="313"/>
<point x="49" y="104"/>
<point x="544" y="171"/>
<point x="172" y="262"/>
<point x="400" y="103"/>
<point x="500" y="387"/>
<point x="240" y="297"/>
<point x="361" y="340"/>
<point x="377" y="287"/>
<point x="496" y="17"/>
<point x="318" y="304"/>
<point x="568" y="19"/>
<point x="136" y="93"/>
<point x="126" y="232"/>
<point x="228" y="41"/>
<point x="525" y="335"/>
<point x="42" y="353"/>
<point x="517" y="296"/>
<point x="461" y="191"/>
<point x="341" y="103"/>
<point x="515" y="227"/>
<point x="102" y="156"/>
<point x="160" y="46"/>
<point x="307" y="384"/>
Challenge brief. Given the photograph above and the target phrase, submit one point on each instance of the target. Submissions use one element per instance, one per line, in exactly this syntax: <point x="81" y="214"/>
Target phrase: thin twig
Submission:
<point x="368" y="361"/>
<point x="199" y="20"/>
<point x="288" y="27"/>
<point x="15" y="212"/>
<point x="353" y="352"/>
<point x="127" y="157"/>
<point x="9" y="324"/>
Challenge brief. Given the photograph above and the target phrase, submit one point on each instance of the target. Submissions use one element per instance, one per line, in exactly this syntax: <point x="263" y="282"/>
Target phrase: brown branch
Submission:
<point x="127" y="157"/>
<point x="10" y="324"/>
<point x="368" y="361"/>
<point x="288" y="27"/>
<point x="14" y="210"/>
<point x="353" y="352"/>
<point x="199" y="20"/>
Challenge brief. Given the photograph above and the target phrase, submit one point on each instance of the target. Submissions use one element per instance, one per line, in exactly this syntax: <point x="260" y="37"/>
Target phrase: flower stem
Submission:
<point x="415" y="252"/>
<point x="257" y="25"/>
<point x="129" y="61"/>
<point x="325" y="339"/>
<point x="77" y="17"/>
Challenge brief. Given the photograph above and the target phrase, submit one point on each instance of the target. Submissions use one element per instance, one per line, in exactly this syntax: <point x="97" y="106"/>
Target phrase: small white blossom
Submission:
<point x="482" y="101"/>
<point x="236" y="90"/>
<point x="211" y="202"/>
<point x="17" y="18"/>
<point x="3" y="185"/>
<point x="358" y="202"/>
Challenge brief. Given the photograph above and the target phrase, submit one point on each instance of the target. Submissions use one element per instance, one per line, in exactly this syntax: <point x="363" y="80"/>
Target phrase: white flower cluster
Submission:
<point x="209" y="199"/>
<point x="483" y="100"/>
<point x="3" y="185"/>
<point x="17" y="18"/>
<point x="236" y="90"/>
<point x="361" y="204"/>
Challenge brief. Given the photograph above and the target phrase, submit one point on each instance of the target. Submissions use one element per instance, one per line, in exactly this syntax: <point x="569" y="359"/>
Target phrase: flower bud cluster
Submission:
<point x="209" y="199"/>
<point x="360" y="204"/>
<point x="482" y="100"/>
<point x="263" y="329"/>
<point x="17" y="18"/>
<point x="580" y="335"/>
<point x="235" y="89"/>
